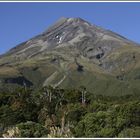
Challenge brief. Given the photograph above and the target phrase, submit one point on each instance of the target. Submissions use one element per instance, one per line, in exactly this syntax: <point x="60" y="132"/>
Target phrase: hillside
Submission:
<point x="73" y="53"/>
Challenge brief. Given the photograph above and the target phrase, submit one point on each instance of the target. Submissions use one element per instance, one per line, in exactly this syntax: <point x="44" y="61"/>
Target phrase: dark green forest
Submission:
<point x="56" y="112"/>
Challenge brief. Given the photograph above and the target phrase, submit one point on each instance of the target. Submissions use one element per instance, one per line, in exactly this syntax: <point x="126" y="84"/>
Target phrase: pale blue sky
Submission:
<point x="21" y="21"/>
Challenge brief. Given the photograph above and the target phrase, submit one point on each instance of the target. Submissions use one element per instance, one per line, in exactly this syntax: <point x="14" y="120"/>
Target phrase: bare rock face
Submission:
<point x="70" y="49"/>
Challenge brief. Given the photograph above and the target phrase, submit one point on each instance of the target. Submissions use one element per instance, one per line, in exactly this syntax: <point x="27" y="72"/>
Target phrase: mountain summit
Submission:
<point x="71" y="53"/>
<point x="71" y="31"/>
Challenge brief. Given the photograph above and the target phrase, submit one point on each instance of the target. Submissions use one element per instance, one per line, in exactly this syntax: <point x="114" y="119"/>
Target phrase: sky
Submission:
<point x="22" y="21"/>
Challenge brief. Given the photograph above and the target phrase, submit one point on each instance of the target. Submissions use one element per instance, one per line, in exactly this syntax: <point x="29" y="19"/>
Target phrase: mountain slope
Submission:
<point x="72" y="53"/>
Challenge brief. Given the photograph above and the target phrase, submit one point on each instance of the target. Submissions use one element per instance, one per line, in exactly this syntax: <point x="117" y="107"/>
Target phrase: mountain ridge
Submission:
<point x="63" y="20"/>
<point x="70" y="53"/>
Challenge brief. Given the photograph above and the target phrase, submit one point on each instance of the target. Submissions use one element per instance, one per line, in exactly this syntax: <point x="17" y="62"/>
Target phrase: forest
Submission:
<point x="56" y="112"/>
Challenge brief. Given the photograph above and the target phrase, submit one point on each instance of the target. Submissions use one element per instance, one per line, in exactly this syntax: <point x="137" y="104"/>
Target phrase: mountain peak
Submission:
<point x="73" y="19"/>
<point x="70" y="51"/>
<point x="76" y="19"/>
<point x="66" y="21"/>
<point x="75" y="32"/>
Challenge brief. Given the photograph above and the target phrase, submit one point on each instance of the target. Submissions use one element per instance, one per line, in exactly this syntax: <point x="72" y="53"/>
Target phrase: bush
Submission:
<point x="130" y="133"/>
<point x="31" y="130"/>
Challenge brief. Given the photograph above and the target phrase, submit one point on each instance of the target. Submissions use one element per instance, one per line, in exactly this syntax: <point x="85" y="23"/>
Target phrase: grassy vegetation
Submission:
<point x="8" y="71"/>
<point x="94" y="81"/>
<point x="120" y="77"/>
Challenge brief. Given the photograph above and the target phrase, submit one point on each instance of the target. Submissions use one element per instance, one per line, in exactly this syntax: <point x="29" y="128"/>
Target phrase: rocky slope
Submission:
<point x="73" y="53"/>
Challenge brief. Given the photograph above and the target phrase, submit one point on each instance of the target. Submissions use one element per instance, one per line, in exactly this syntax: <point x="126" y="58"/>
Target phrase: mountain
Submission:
<point x="73" y="53"/>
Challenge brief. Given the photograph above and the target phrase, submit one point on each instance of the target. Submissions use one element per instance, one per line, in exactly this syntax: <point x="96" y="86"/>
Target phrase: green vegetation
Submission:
<point x="56" y="112"/>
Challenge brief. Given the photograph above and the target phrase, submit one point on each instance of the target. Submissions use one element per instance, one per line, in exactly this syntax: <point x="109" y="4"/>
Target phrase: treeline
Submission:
<point x="57" y="112"/>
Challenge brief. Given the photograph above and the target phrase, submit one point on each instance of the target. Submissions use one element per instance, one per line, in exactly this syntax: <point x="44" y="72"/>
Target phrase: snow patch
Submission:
<point x="70" y="19"/>
<point x="60" y="40"/>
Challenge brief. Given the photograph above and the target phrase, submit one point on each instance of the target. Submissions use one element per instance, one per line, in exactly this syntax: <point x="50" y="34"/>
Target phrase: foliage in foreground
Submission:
<point x="55" y="112"/>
